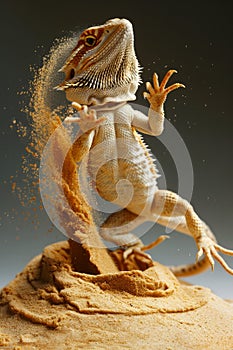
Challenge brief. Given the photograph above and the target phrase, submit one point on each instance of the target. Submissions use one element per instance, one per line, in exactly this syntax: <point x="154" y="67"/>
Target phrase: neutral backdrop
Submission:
<point x="192" y="37"/>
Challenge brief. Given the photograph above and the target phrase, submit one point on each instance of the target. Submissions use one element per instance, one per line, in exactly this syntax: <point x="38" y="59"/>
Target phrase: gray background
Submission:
<point x="194" y="38"/>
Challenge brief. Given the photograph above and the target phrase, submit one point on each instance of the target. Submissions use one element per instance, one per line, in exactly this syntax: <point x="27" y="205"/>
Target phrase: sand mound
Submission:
<point x="51" y="306"/>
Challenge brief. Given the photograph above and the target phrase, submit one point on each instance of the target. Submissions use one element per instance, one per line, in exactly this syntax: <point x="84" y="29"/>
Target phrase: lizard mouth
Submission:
<point x="69" y="76"/>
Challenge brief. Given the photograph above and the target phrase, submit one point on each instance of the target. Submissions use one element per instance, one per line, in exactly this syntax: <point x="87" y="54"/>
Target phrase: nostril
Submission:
<point x="72" y="73"/>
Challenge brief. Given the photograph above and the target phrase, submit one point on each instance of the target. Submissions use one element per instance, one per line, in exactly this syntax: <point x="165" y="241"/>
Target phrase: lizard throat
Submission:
<point x="107" y="78"/>
<point x="116" y="82"/>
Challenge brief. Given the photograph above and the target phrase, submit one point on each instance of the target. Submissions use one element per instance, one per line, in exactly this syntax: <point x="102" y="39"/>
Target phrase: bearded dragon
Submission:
<point x="102" y="75"/>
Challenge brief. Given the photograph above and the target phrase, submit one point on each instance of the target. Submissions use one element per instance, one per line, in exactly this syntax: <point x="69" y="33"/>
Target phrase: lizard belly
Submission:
<point x="125" y="175"/>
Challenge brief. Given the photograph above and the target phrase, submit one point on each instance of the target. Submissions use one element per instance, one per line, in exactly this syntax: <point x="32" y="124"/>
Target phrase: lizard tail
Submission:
<point x="191" y="269"/>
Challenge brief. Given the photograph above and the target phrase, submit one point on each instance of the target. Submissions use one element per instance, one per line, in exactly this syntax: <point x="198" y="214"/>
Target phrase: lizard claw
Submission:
<point x="72" y="120"/>
<point x="199" y="254"/>
<point x="140" y="249"/>
<point x="133" y="250"/>
<point x="210" y="248"/>
<point x="77" y="106"/>
<point x="158" y="241"/>
<point x="87" y="119"/>
<point x="157" y="94"/>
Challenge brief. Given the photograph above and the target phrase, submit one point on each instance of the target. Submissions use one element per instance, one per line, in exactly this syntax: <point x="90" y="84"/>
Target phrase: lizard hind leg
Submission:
<point x="179" y="224"/>
<point x="117" y="229"/>
<point x="169" y="204"/>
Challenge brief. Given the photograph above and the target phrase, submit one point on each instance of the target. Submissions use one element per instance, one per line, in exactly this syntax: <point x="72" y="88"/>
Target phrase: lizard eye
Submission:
<point x="90" y="40"/>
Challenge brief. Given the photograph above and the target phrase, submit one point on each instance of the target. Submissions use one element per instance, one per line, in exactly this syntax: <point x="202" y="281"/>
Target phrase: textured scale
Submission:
<point x="101" y="75"/>
<point x="127" y="158"/>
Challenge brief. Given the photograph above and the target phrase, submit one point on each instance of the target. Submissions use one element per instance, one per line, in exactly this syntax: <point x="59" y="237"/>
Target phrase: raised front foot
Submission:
<point x="157" y="94"/>
<point x="87" y="119"/>
<point x="210" y="248"/>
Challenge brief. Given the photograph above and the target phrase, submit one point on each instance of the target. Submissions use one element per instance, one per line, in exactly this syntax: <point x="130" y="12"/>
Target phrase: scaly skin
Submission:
<point x="102" y="75"/>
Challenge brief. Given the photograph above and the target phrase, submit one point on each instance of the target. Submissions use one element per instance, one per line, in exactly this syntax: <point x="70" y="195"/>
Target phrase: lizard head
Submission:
<point x="103" y="66"/>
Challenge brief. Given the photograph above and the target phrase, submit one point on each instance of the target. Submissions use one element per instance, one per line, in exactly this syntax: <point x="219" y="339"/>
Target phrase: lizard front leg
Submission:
<point x="87" y="122"/>
<point x="87" y="119"/>
<point x="156" y="95"/>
